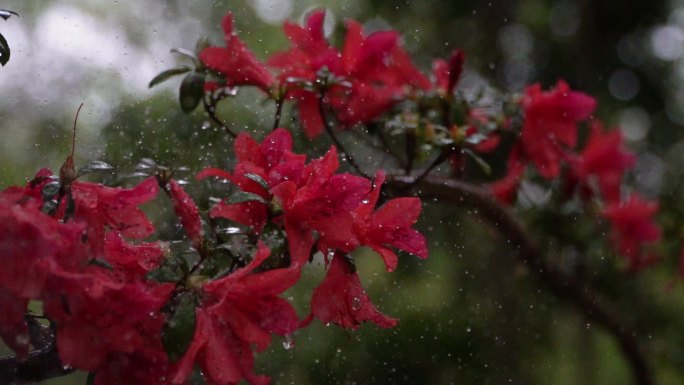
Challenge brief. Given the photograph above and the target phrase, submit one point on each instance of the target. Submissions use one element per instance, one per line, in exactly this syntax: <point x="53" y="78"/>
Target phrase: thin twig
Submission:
<point x="410" y="150"/>
<point x="210" y="109"/>
<point x="388" y="148"/>
<point x="73" y="134"/>
<point x="331" y="133"/>
<point x="562" y="285"/>
<point x="279" y="111"/>
<point x="444" y="155"/>
<point x="371" y="144"/>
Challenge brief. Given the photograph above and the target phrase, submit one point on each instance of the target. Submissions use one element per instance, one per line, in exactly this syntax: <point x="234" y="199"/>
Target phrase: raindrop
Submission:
<point x="22" y="339"/>
<point x="356" y="303"/>
<point x="288" y="342"/>
<point x="229" y="230"/>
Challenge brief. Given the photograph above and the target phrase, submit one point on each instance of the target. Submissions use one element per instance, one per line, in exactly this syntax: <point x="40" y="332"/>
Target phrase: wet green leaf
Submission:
<point x="484" y="166"/>
<point x="50" y="190"/>
<point x="191" y="91"/>
<point x="168" y="74"/>
<point x="6" y="14"/>
<point x="94" y="166"/>
<point x="4" y="51"/>
<point x="101" y="263"/>
<point x="243" y="196"/>
<point x="202" y="43"/>
<point x="189" y="54"/>
<point x="257" y="179"/>
<point x="180" y="327"/>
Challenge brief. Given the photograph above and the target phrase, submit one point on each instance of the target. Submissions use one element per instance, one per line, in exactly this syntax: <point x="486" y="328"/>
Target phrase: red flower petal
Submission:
<point x="341" y="300"/>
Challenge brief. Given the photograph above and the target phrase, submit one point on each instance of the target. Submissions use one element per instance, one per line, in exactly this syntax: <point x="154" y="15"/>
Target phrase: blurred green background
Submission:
<point x="470" y="314"/>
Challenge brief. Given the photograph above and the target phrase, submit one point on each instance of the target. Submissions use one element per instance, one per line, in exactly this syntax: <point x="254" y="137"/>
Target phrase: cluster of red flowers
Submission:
<point x="66" y="245"/>
<point x="69" y="245"/>
<point x="376" y="70"/>
<point x="549" y="141"/>
<point x="77" y="247"/>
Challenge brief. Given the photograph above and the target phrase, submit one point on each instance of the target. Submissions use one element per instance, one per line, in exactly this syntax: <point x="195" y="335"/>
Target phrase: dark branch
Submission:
<point x="210" y="109"/>
<point x="562" y="285"/>
<point x="278" y="113"/>
<point x="331" y="134"/>
<point x="40" y="365"/>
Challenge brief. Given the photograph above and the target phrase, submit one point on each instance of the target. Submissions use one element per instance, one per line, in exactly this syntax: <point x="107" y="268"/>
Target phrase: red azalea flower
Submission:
<point x="29" y="239"/>
<point x="633" y="230"/>
<point x="340" y="299"/>
<point x="322" y="202"/>
<point x="273" y="161"/>
<point x="236" y="62"/>
<point x="377" y="68"/>
<point x="379" y="71"/>
<point x="31" y="244"/>
<point x="309" y="52"/>
<point x="550" y="124"/>
<point x="187" y="212"/>
<point x="389" y="226"/>
<point x="134" y="261"/>
<point x="97" y="314"/>
<point x="447" y="74"/>
<point x="505" y="189"/>
<point x="239" y="310"/>
<point x="224" y="358"/>
<point x="605" y="159"/>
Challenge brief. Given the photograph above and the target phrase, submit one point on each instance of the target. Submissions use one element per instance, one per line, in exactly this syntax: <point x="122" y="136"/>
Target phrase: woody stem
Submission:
<point x="331" y="133"/>
<point x="279" y="111"/>
<point x="210" y="109"/>
<point x="562" y="285"/>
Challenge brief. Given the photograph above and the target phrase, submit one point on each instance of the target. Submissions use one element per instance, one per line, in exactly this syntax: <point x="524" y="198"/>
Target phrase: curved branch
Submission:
<point x="331" y="133"/>
<point x="562" y="285"/>
<point x="210" y="109"/>
<point x="40" y="365"/>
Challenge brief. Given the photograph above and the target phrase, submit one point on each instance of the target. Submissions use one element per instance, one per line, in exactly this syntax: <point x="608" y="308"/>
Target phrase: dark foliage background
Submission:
<point x="470" y="314"/>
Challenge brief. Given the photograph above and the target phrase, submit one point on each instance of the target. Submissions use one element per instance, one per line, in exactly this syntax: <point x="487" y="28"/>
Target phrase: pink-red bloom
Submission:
<point x="633" y="230"/>
<point x="239" y="311"/>
<point x="187" y="212"/>
<point x="550" y="125"/>
<point x="340" y="299"/>
<point x="236" y="62"/>
<point x="389" y="226"/>
<point x="376" y="70"/>
<point x="448" y="73"/>
<point x="603" y="161"/>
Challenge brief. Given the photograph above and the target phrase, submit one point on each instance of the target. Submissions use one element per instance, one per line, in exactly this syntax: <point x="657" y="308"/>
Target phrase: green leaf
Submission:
<point x="6" y="14"/>
<point x="172" y="269"/>
<point x="189" y="54"/>
<point x="50" y="190"/>
<point x="180" y="327"/>
<point x="243" y="196"/>
<point x="4" y="51"/>
<point x="101" y="263"/>
<point x="484" y="166"/>
<point x="202" y="43"/>
<point x="146" y="165"/>
<point x="94" y="166"/>
<point x="168" y="74"/>
<point x="191" y="91"/>
<point x="257" y="179"/>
